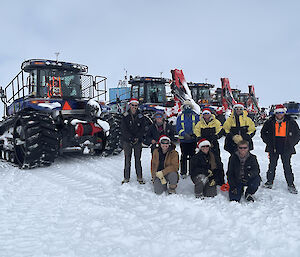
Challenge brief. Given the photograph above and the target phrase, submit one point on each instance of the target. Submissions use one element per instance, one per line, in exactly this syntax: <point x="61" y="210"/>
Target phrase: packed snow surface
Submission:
<point x="78" y="207"/>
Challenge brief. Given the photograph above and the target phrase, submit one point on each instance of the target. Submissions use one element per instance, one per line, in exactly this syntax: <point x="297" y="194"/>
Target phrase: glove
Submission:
<point x="134" y="141"/>
<point x="234" y="191"/>
<point x="187" y="137"/>
<point x="202" y="178"/>
<point x="160" y="175"/>
<point x="210" y="173"/>
<point x="237" y="138"/>
<point x="212" y="183"/>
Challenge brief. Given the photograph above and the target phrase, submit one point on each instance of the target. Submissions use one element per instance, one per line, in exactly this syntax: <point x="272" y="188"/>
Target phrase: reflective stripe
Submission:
<point x="194" y="119"/>
<point x="280" y="129"/>
<point x="182" y="124"/>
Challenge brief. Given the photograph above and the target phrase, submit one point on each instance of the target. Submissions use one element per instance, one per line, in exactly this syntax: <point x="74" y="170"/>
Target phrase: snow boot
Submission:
<point x="249" y="198"/>
<point x="141" y="181"/>
<point x="125" y="180"/>
<point x="268" y="184"/>
<point x="200" y="196"/>
<point x="183" y="176"/>
<point x="292" y="189"/>
<point x="172" y="189"/>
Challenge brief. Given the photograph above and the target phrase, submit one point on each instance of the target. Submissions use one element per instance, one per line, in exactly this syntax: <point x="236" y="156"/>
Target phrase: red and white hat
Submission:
<point x="134" y="100"/>
<point x="203" y="142"/>
<point x="206" y="111"/>
<point x="164" y="137"/>
<point x="238" y="105"/>
<point x="280" y="108"/>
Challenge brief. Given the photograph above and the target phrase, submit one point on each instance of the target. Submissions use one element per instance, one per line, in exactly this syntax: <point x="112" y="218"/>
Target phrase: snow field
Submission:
<point x="78" y="207"/>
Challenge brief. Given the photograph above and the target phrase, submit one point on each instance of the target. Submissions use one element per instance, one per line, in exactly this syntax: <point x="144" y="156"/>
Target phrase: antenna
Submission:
<point x="57" y="54"/>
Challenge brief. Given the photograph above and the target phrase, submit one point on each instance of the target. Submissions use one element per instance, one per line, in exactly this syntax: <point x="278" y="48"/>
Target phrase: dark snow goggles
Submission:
<point x="165" y="142"/>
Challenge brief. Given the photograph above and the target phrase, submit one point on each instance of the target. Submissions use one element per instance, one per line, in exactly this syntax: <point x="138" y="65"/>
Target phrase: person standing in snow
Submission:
<point x="238" y="127"/>
<point x="185" y="125"/>
<point x="211" y="129"/>
<point x="164" y="166"/>
<point x="280" y="133"/>
<point x="132" y="129"/>
<point x="243" y="171"/>
<point x="204" y="168"/>
<point x="158" y="128"/>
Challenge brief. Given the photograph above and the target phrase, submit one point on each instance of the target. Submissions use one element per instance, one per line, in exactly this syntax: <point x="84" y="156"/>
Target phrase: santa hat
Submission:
<point x="203" y="142"/>
<point x="164" y="137"/>
<point x="280" y="108"/>
<point x="206" y="111"/>
<point x="238" y="105"/>
<point x="134" y="100"/>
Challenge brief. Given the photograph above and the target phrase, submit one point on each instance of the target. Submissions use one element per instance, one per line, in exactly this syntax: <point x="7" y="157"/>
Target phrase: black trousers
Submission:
<point x="128" y="148"/>
<point x="187" y="151"/>
<point x="286" y="161"/>
<point x="252" y="186"/>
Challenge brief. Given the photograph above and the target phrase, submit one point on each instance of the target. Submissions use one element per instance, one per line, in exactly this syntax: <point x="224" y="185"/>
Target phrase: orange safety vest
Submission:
<point x="280" y="129"/>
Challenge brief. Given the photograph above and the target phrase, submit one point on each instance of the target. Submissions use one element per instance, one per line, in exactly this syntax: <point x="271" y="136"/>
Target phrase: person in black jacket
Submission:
<point x="159" y="127"/>
<point x="204" y="168"/>
<point x="280" y="134"/>
<point x="243" y="171"/>
<point x="132" y="129"/>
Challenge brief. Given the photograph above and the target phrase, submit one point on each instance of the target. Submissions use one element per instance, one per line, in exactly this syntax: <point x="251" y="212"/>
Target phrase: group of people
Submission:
<point x="200" y="151"/>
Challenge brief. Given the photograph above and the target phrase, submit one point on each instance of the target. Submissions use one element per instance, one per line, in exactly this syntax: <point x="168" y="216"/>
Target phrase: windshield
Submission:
<point x="59" y="83"/>
<point x="292" y="105"/>
<point x="156" y="93"/>
<point x="199" y="93"/>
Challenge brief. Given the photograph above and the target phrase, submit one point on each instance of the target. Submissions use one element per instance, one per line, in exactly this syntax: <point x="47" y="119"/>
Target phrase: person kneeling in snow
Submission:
<point x="165" y="166"/>
<point x="243" y="170"/>
<point x="204" y="168"/>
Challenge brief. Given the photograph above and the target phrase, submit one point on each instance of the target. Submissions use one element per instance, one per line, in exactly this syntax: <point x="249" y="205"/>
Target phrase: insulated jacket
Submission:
<point x="238" y="125"/>
<point x="201" y="163"/>
<point x="251" y="169"/>
<point x="171" y="161"/>
<point x="132" y="126"/>
<point x="292" y="135"/>
<point x="185" y="124"/>
<point x="153" y="132"/>
<point x="211" y="131"/>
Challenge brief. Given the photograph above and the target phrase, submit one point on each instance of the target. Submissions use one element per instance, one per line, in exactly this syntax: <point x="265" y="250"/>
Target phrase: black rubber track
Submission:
<point x="40" y="137"/>
<point x="113" y="142"/>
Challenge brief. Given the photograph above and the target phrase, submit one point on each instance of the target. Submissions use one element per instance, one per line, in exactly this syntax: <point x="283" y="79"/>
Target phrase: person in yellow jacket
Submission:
<point x="211" y="129"/>
<point x="238" y="127"/>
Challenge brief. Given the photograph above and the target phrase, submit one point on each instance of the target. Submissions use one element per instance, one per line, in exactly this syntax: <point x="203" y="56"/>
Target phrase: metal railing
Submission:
<point x="19" y="87"/>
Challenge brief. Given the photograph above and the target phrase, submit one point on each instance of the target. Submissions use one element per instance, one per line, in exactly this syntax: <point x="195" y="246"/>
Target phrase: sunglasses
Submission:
<point x="206" y="113"/>
<point x="279" y="112"/>
<point x="243" y="147"/>
<point x="134" y="105"/>
<point x="239" y="109"/>
<point x="205" y="146"/>
<point x="165" y="143"/>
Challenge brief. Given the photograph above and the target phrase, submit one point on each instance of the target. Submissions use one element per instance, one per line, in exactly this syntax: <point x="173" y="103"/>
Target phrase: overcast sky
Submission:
<point x="248" y="41"/>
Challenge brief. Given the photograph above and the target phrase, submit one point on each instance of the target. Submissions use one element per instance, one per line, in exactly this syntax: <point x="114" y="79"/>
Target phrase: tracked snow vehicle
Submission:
<point x="52" y="107"/>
